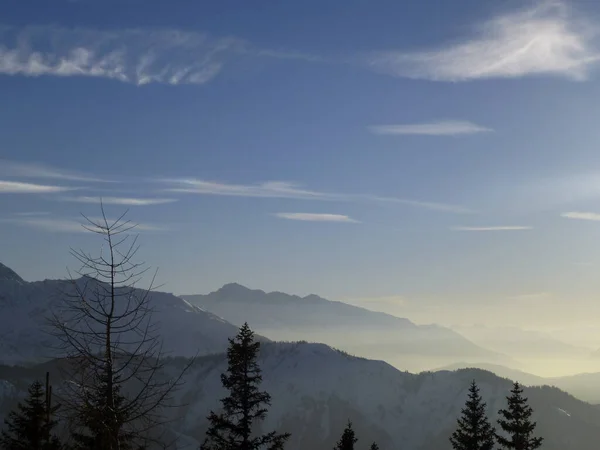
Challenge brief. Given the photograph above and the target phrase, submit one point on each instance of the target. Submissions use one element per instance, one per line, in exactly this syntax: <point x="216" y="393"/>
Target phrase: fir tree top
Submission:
<point x="31" y="425"/>
<point x="516" y="423"/>
<point x="347" y="440"/>
<point x="474" y="431"/>
<point x="246" y="404"/>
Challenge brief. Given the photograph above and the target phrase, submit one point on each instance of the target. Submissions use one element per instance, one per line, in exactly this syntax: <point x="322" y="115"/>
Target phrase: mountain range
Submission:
<point x="315" y="389"/>
<point x="394" y="408"/>
<point x="519" y="343"/>
<point x="185" y="329"/>
<point x="584" y="386"/>
<point x="351" y="328"/>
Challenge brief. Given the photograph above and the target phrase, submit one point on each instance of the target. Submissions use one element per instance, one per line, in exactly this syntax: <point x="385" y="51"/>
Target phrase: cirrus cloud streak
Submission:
<point x="37" y="170"/>
<point x="17" y="187"/>
<point x="313" y="217"/>
<point x="437" y="128"/>
<point x="495" y="228"/>
<point x="126" y="201"/>
<point x="283" y="189"/>
<point x="134" y="55"/>
<point x="139" y="55"/>
<point x="547" y="39"/>
<point x="581" y="215"/>
<point x="66" y="225"/>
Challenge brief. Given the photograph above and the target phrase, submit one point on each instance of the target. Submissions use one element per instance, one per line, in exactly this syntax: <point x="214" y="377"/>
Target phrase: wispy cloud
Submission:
<point x="126" y="201"/>
<point x="311" y="217"/>
<point x="31" y="213"/>
<point x="135" y="56"/>
<point x="138" y="56"/>
<point x="495" y="228"/>
<point x="57" y="225"/>
<point x="269" y="189"/>
<point x="546" y="39"/>
<point x="438" y="128"/>
<point x="17" y="187"/>
<point x="37" y="170"/>
<point x="432" y="206"/>
<point x="282" y="189"/>
<point x="531" y="297"/>
<point x="581" y="215"/>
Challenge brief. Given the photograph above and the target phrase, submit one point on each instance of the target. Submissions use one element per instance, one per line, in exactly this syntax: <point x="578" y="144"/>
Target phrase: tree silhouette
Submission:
<point x="30" y="427"/>
<point x="516" y="423"/>
<point x="110" y="343"/>
<point x="245" y="405"/>
<point x="348" y="439"/>
<point x="474" y="431"/>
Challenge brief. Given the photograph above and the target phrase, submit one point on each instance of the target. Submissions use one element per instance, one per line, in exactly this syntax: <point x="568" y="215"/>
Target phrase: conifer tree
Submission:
<point x="101" y="426"/>
<point x="232" y="429"/>
<point x="30" y="427"/>
<point x="348" y="439"/>
<point x="374" y="446"/>
<point x="516" y="423"/>
<point x="474" y="431"/>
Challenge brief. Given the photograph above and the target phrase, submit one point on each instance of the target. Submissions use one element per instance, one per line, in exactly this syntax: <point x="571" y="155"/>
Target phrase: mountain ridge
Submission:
<point x="185" y="329"/>
<point x="394" y="408"/>
<point x="239" y="289"/>
<point x="352" y="328"/>
<point x="7" y="274"/>
<point x="584" y="386"/>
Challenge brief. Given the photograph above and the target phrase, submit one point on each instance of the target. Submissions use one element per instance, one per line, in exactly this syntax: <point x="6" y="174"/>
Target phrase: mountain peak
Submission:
<point x="314" y="298"/>
<point x="7" y="274"/>
<point x="233" y="289"/>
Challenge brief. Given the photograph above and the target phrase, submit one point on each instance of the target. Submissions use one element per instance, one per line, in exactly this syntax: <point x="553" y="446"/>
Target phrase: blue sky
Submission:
<point x="434" y="159"/>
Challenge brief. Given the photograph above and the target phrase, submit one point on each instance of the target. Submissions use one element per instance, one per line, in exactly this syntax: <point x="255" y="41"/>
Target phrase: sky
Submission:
<point x="438" y="160"/>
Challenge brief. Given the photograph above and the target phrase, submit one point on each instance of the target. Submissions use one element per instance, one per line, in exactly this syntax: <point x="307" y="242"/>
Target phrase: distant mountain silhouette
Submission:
<point x="7" y="274"/>
<point x="368" y="333"/>
<point x="24" y="307"/>
<point x="520" y="343"/>
<point x="584" y="386"/>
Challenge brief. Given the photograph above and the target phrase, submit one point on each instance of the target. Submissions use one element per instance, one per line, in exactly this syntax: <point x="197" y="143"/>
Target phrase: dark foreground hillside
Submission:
<point x="316" y="389"/>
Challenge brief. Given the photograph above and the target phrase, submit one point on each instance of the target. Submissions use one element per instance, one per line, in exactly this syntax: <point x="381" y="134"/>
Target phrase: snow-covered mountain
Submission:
<point x="357" y="330"/>
<point x="185" y="329"/>
<point x="316" y="389"/>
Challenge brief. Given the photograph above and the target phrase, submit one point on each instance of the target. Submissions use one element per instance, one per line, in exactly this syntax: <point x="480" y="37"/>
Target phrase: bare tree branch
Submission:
<point x="116" y="387"/>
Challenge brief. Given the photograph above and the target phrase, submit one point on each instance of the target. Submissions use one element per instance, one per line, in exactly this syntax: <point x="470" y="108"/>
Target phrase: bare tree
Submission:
<point x="116" y="389"/>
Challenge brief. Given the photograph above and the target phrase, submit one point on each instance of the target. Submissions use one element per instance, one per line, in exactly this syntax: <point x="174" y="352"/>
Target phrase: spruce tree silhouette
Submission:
<point x="348" y="439"/>
<point x="474" y="431"/>
<point x="30" y="427"/>
<point x="245" y="405"/>
<point x="100" y="434"/>
<point x="516" y="423"/>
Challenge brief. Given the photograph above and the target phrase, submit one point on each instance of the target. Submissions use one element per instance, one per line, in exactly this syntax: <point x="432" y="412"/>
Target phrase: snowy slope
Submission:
<point x="316" y="389"/>
<point x="24" y="308"/>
